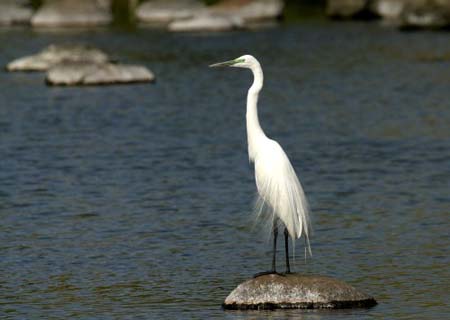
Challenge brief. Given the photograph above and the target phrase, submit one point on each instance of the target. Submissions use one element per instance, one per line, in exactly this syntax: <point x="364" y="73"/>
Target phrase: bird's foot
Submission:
<point x="266" y="273"/>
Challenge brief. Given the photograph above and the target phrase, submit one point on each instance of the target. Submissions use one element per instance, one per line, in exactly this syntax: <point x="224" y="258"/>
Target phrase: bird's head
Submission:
<point x="245" y="61"/>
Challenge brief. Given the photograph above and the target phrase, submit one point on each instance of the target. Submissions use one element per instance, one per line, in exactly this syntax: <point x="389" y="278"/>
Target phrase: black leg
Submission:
<point x="286" y="247"/>
<point x="275" y="236"/>
<point x="274" y="257"/>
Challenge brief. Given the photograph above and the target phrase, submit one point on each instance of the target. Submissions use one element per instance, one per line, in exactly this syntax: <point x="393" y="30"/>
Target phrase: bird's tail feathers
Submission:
<point x="286" y="201"/>
<point x="265" y="215"/>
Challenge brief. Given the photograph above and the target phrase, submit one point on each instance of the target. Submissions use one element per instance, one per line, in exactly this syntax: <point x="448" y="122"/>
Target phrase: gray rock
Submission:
<point x="85" y="73"/>
<point x="431" y="14"/>
<point x="414" y="13"/>
<point x="206" y="22"/>
<point x="165" y="11"/>
<point x="229" y="15"/>
<point x="296" y="291"/>
<point x="73" y="13"/>
<point x="389" y="10"/>
<point x="426" y="14"/>
<point x="15" y="12"/>
<point x="346" y="8"/>
<point x="55" y="54"/>
<point x="250" y="10"/>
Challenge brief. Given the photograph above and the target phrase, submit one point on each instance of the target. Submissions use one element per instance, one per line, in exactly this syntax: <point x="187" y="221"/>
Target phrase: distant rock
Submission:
<point x="15" y="12"/>
<point x="229" y="15"/>
<point x="85" y="73"/>
<point x="295" y="291"/>
<point x="346" y="9"/>
<point x="406" y="14"/>
<point x="414" y="14"/>
<point x="55" y="54"/>
<point x="73" y="13"/>
<point x="166" y="11"/>
<point x="80" y="65"/>
<point x="431" y="14"/>
<point x="250" y="10"/>
<point x="206" y="22"/>
<point x="389" y="10"/>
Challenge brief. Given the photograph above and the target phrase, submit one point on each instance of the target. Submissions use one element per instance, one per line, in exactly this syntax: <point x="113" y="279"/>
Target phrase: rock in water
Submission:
<point x="14" y="12"/>
<point x="165" y="11"/>
<point x="82" y="73"/>
<point x="229" y="15"/>
<point x="345" y="8"/>
<point x="74" y="64"/>
<point x="296" y="291"/>
<point x="206" y="22"/>
<point x="55" y="54"/>
<point x="389" y="10"/>
<point x="72" y="13"/>
<point x="415" y="14"/>
<point x="250" y="10"/>
<point x="431" y="14"/>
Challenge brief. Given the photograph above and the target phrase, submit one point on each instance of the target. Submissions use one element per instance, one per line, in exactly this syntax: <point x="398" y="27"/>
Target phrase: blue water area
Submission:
<point x="127" y="202"/>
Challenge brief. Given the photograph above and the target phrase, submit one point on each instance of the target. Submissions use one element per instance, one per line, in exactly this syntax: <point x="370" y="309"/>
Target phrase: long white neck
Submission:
<point x="254" y="131"/>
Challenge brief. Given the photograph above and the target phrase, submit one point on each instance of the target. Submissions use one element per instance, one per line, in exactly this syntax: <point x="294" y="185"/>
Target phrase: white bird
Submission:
<point x="278" y="186"/>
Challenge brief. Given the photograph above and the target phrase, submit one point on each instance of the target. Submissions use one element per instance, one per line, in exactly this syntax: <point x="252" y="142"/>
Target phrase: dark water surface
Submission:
<point x="135" y="201"/>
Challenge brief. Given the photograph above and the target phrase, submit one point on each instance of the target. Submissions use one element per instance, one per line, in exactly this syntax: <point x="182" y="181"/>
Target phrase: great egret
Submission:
<point x="278" y="186"/>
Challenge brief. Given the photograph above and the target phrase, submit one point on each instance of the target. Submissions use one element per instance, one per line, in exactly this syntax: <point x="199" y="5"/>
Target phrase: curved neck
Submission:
<point x="254" y="131"/>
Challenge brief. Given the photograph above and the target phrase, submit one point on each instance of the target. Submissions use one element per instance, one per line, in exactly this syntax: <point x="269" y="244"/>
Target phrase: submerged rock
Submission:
<point x="72" y="13"/>
<point x="55" y="54"/>
<point x="165" y="11"/>
<point x="85" y="73"/>
<point x="296" y="291"/>
<point x="15" y="12"/>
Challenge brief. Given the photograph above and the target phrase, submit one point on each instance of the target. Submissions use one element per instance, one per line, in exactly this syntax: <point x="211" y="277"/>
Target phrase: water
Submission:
<point x="135" y="201"/>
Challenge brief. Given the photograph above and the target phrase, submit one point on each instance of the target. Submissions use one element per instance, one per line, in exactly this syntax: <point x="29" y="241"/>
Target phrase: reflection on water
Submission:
<point x="135" y="201"/>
